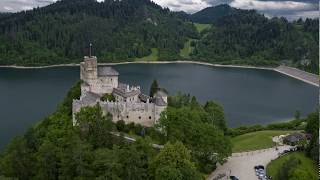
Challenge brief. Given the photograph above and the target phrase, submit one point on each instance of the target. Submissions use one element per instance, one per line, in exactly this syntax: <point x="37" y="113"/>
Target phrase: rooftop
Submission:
<point x="125" y="90"/>
<point x="107" y="71"/>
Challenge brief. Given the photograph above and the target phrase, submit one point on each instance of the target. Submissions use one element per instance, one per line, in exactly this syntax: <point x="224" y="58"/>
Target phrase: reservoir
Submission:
<point x="248" y="96"/>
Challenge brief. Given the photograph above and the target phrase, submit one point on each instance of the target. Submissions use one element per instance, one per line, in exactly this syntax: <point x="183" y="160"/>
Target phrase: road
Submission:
<point x="242" y="165"/>
<point x="312" y="79"/>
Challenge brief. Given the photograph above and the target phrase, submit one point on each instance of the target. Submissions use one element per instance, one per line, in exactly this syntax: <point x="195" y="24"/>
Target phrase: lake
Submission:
<point x="249" y="96"/>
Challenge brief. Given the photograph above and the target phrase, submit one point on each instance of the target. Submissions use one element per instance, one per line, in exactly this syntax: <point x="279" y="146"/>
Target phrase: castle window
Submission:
<point x="139" y="117"/>
<point x="127" y="117"/>
<point x="149" y="117"/>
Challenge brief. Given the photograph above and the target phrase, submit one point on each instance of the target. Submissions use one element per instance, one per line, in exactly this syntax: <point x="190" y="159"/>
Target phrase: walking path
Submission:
<point x="156" y="146"/>
<point x="299" y="74"/>
<point x="242" y="165"/>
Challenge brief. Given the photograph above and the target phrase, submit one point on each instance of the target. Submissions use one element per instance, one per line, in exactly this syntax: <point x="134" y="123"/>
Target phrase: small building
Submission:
<point x="294" y="138"/>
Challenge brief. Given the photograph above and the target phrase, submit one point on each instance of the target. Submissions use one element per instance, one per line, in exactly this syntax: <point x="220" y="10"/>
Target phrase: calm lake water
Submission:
<point x="249" y="96"/>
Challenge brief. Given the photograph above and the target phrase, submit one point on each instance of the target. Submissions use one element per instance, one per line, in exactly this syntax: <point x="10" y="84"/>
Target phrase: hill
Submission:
<point x="119" y="30"/>
<point x="211" y="14"/>
<point x="131" y="30"/>
<point x="247" y="37"/>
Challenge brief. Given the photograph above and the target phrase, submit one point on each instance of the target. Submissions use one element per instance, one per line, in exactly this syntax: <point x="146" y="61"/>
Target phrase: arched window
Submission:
<point x="139" y="117"/>
<point x="149" y="117"/>
<point x="127" y="117"/>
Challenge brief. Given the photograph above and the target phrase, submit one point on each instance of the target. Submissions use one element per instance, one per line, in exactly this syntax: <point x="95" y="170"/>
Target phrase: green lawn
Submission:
<point x="255" y="140"/>
<point x="307" y="165"/>
<point x="187" y="49"/>
<point x="201" y="27"/>
<point x="152" y="57"/>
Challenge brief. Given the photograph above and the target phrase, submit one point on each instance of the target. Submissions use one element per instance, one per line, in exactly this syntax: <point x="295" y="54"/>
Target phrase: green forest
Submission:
<point x="194" y="141"/>
<point x="131" y="30"/>
<point x="246" y="37"/>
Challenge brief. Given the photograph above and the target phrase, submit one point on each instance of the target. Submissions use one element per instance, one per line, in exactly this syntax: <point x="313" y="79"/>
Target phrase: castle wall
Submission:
<point x="134" y="98"/>
<point x="138" y="112"/>
<point x="111" y="81"/>
<point x="157" y="112"/>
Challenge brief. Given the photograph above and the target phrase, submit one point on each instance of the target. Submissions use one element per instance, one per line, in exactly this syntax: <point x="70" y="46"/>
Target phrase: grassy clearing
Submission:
<point x="201" y="27"/>
<point x="152" y="57"/>
<point x="307" y="165"/>
<point x="255" y="140"/>
<point x="187" y="49"/>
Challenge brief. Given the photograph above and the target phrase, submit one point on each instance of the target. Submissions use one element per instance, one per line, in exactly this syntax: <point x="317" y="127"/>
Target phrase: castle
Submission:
<point x="130" y="105"/>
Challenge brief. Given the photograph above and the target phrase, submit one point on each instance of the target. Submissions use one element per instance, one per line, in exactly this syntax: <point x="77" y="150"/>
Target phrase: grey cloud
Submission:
<point x="288" y="8"/>
<point x="218" y="2"/>
<point x="20" y="5"/>
<point x="174" y="5"/>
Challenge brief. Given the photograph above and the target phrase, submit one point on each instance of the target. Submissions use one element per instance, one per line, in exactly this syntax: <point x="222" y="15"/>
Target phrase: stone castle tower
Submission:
<point x="98" y="80"/>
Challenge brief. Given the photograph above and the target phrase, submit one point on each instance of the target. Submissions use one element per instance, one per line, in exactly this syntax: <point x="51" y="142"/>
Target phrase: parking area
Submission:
<point x="241" y="165"/>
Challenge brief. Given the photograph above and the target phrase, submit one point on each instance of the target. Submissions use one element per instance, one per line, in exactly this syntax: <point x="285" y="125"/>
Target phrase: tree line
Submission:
<point x="127" y="30"/>
<point x="247" y="37"/>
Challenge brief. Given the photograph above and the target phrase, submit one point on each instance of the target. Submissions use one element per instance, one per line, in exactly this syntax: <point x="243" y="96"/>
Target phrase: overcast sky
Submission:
<point x="292" y="9"/>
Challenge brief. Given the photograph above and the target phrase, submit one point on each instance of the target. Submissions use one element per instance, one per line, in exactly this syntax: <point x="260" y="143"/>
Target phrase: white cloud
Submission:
<point x="8" y="8"/>
<point x="189" y="6"/>
<point x="26" y="8"/>
<point x="271" y="5"/>
<point x="287" y="8"/>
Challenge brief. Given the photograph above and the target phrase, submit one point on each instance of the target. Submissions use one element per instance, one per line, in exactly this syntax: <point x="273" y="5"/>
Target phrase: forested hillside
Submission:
<point x="119" y="30"/>
<point x="130" y="30"/>
<point x="247" y="37"/>
<point x="194" y="142"/>
<point x="210" y="14"/>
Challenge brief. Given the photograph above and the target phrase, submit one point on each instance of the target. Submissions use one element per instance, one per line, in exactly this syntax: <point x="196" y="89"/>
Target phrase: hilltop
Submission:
<point x="211" y="14"/>
<point x="135" y="30"/>
<point x="119" y="30"/>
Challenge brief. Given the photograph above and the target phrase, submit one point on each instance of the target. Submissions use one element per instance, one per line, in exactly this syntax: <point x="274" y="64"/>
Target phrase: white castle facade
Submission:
<point x="130" y="104"/>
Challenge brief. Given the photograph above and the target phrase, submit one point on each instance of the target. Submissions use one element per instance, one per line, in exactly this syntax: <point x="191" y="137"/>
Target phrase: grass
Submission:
<point x="187" y="49"/>
<point x="306" y="165"/>
<point x="201" y="27"/>
<point x="152" y="57"/>
<point x="255" y="140"/>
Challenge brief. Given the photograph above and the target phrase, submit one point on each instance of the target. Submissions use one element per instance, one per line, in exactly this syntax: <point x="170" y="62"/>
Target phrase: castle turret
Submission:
<point x="89" y="68"/>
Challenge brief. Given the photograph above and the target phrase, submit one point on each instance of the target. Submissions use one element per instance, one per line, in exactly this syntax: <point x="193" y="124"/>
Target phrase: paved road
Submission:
<point x="299" y="74"/>
<point x="241" y="164"/>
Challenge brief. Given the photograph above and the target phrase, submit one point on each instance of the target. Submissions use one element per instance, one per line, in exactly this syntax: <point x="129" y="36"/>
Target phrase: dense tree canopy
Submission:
<point x="196" y="126"/>
<point x="247" y="37"/>
<point x="128" y="30"/>
<point x="55" y="149"/>
<point x="313" y="129"/>
<point x="174" y="163"/>
<point x="119" y="30"/>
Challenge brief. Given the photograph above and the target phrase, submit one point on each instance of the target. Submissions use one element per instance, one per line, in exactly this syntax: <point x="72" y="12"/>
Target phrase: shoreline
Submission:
<point x="179" y="62"/>
<point x="138" y="62"/>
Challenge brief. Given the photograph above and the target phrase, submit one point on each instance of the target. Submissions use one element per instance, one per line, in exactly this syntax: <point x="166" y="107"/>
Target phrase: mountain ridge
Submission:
<point x="130" y="30"/>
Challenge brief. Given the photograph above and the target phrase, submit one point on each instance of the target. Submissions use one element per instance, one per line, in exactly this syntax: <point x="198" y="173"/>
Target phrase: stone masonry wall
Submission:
<point x="137" y="112"/>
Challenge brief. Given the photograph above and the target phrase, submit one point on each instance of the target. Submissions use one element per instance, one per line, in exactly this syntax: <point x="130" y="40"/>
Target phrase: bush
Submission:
<point x="108" y="97"/>
<point x="120" y="125"/>
<point x="291" y="125"/>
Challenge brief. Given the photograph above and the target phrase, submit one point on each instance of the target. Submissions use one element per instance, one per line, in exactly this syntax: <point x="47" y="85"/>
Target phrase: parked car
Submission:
<point x="233" y="178"/>
<point x="259" y="167"/>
